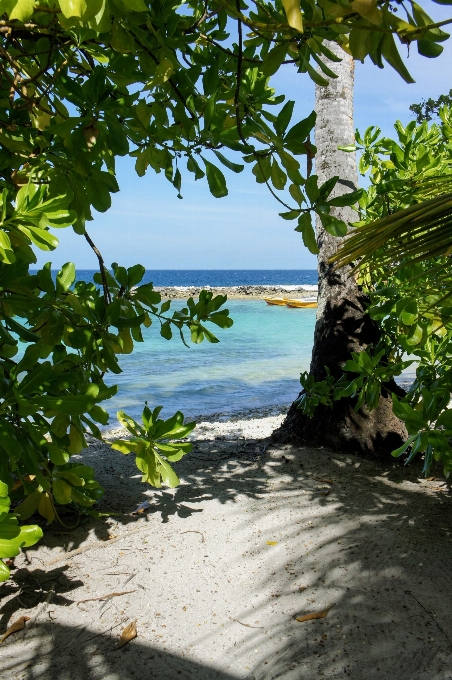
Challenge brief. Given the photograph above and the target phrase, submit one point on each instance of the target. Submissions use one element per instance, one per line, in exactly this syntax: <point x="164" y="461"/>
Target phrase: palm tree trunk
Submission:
<point x="341" y="326"/>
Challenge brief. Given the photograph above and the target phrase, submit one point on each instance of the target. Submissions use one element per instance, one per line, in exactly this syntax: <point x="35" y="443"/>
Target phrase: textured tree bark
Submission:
<point x="341" y="326"/>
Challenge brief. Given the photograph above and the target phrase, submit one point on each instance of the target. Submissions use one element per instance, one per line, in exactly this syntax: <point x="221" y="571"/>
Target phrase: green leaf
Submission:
<point x="13" y="537"/>
<point x="4" y="571"/>
<point x="332" y="225"/>
<point x="17" y="9"/>
<point x="283" y="118"/>
<point x="278" y="177"/>
<point x="409" y="313"/>
<point x="274" y="59"/>
<point x="296" y="193"/>
<point x="429" y="49"/>
<point x="316" y="77"/>
<point x="297" y="135"/>
<point x="445" y="419"/>
<point x="215" y="179"/>
<point x="70" y="404"/>
<point x="346" y="199"/>
<point x="29" y="505"/>
<point x="62" y="491"/>
<point x="125" y="446"/>
<point x="65" y="277"/>
<point x="135" y="5"/>
<point x="57" y="455"/>
<point x="308" y="233"/>
<point x="391" y="54"/>
<point x="23" y="333"/>
<point x="82" y="9"/>
<point x="312" y="189"/>
<point x="360" y="43"/>
<point x="235" y="167"/>
<point x="398" y="452"/>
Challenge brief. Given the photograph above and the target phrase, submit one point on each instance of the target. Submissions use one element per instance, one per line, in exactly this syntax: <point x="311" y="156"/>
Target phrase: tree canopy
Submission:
<point x="179" y="88"/>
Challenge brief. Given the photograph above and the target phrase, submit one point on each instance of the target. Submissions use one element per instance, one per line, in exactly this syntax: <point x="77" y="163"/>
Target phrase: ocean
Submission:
<point x="222" y="277"/>
<point x="254" y="368"/>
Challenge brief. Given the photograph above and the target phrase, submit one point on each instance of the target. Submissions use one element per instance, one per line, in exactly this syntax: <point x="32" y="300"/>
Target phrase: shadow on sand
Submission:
<point x="370" y="539"/>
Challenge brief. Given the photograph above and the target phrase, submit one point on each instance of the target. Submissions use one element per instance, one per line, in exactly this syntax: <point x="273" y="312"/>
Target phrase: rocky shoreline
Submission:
<point x="240" y="292"/>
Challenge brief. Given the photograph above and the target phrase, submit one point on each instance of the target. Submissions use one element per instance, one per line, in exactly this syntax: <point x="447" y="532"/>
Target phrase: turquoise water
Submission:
<point x="256" y="365"/>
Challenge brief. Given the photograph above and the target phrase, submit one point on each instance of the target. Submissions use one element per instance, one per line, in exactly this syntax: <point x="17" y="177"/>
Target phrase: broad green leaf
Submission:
<point x="70" y="404"/>
<point x="274" y="59"/>
<point x="346" y="199"/>
<point x="235" y="167"/>
<point x="409" y="313"/>
<point x="65" y="277"/>
<point x="215" y="179"/>
<point x="4" y="571"/>
<point x="82" y="9"/>
<point x="135" y="5"/>
<point x="445" y="419"/>
<point x="13" y="536"/>
<point x="57" y="455"/>
<point x="296" y="193"/>
<point x="297" y="135"/>
<point x="40" y="237"/>
<point x="17" y="9"/>
<point x="284" y="117"/>
<point x="293" y="14"/>
<point x="29" y="505"/>
<point x="308" y="233"/>
<point x="429" y="49"/>
<point x="125" y="446"/>
<point x="332" y="225"/>
<point x="391" y="54"/>
<point x="61" y="491"/>
<point x="278" y="176"/>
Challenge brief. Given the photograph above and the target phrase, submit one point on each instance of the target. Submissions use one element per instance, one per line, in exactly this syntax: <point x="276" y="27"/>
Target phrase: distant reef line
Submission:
<point x="239" y="292"/>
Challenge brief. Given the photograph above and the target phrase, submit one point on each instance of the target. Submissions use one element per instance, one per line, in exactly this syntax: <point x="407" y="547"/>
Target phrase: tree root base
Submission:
<point x="374" y="433"/>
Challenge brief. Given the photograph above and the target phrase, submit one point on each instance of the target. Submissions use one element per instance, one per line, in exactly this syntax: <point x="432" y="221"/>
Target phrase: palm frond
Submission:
<point x="417" y="233"/>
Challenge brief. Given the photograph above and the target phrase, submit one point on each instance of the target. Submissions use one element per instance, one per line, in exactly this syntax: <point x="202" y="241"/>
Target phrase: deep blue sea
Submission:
<point x="223" y="277"/>
<point x="255" y="366"/>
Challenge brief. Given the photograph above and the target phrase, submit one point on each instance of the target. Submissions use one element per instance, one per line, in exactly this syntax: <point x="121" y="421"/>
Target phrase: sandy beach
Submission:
<point x="217" y="571"/>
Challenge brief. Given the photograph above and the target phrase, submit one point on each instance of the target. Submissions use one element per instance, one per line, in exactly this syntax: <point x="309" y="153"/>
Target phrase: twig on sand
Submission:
<point x="106" y="597"/>
<point x="193" y="531"/>
<point x="432" y="616"/>
<point x="96" y="546"/>
<point x="104" y="631"/>
<point x="247" y="625"/>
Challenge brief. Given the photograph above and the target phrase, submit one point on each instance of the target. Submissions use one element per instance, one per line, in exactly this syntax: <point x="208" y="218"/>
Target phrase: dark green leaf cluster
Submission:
<point x="405" y="268"/>
<point x="156" y="443"/>
<point x="430" y="108"/>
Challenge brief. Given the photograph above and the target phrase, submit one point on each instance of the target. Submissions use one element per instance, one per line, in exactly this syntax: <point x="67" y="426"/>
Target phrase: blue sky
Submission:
<point x="147" y="223"/>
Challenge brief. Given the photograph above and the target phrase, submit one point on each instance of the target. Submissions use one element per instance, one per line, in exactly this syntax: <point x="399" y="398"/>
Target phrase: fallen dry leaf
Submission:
<point x="314" y="615"/>
<point x="430" y="479"/>
<point x="323" y="479"/>
<point x="272" y="542"/>
<point x="16" y="627"/>
<point x="128" y="634"/>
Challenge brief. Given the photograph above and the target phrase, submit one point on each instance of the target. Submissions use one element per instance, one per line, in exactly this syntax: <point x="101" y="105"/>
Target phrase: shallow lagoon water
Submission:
<point x="255" y="366"/>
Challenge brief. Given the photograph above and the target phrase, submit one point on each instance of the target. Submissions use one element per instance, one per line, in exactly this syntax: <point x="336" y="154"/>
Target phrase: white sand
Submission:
<point x="220" y="568"/>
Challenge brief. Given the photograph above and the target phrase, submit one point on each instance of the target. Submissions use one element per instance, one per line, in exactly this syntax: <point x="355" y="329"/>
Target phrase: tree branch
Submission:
<point x="107" y="296"/>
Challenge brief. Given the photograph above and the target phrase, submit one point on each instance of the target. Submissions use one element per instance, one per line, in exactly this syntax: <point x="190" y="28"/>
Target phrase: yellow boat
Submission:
<point x="276" y="301"/>
<point x="302" y="304"/>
